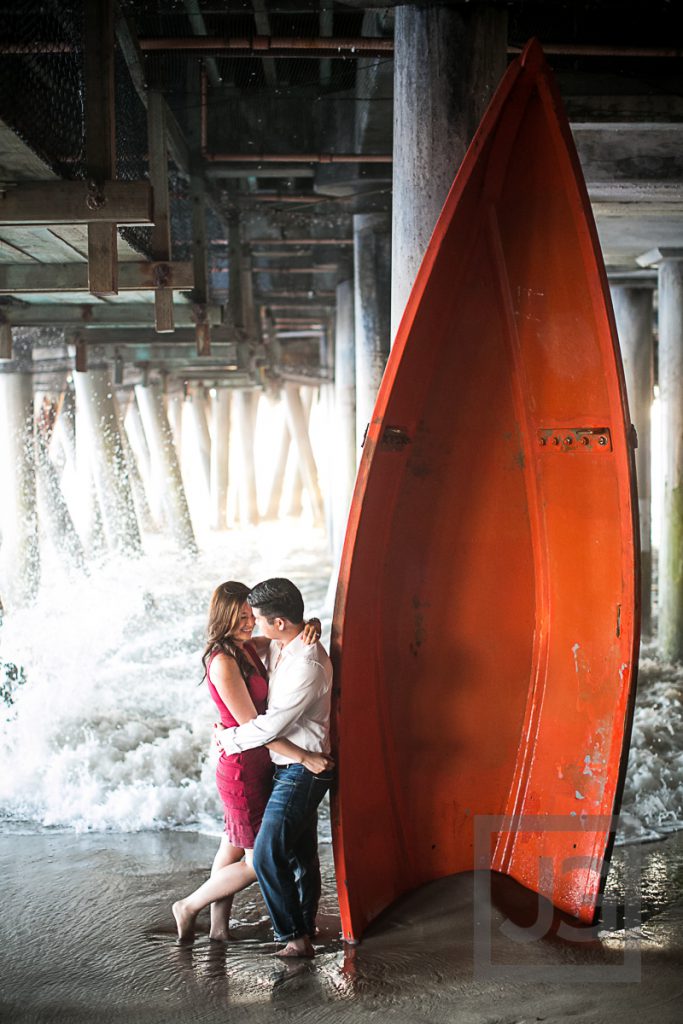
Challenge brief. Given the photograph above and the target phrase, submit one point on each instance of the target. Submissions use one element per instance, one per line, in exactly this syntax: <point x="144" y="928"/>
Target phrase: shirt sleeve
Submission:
<point x="280" y="716"/>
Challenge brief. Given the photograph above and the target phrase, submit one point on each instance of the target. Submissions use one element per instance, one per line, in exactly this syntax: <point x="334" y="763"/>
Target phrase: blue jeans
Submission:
<point x="286" y="850"/>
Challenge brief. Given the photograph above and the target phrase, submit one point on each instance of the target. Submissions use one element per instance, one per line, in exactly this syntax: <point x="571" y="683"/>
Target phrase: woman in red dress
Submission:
<point x="238" y="684"/>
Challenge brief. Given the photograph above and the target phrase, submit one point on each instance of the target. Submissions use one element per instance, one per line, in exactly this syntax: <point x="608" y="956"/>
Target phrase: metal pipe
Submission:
<point x="276" y="46"/>
<point x="299" y="241"/>
<point x="301" y="158"/>
<point x="322" y="268"/>
<point x="590" y="50"/>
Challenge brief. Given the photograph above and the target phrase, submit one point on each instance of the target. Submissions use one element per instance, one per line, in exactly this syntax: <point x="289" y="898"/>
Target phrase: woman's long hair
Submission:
<point x="224" y="617"/>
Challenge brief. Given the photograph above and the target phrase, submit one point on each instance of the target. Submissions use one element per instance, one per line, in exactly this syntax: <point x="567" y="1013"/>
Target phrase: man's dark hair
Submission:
<point x="277" y="598"/>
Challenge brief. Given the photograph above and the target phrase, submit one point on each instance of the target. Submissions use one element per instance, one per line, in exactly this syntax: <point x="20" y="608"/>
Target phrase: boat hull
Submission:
<point x="486" y="623"/>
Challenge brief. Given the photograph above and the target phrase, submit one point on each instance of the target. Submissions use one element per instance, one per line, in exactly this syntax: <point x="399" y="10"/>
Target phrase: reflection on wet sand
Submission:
<point x="87" y="936"/>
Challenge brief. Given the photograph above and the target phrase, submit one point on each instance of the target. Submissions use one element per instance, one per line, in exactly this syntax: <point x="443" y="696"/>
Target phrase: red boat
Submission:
<point x="486" y="624"/>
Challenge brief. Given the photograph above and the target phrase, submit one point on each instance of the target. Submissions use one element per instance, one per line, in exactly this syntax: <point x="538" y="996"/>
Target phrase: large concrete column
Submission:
<point x="296" y="421"/>
<point x="174" y="410"/>
<point x="138" y="443"/>
<point x="220" y="448"/>
<point x="53" y="507"/>
<point x="275" y="496"/>
<point x="20" y="552"/>
<point x="162" y="449"/>
<point x="95" y="396"/>
<point x="372" y="287"/>
<point x="246" y="418"/>
<point x="447" y="64"/>
<point x="670" y="632"/>
<point x="295" y="502"/>
<point x="198" y="405"/>
<point x="88" y="512"/>
<point x="633" y="311"/>
<point x="345" y="410"/>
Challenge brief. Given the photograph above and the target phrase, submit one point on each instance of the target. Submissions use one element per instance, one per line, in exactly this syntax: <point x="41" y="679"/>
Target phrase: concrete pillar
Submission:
<point x="53" y="507"/>
<point x="63" y="443"/>
<point x="198" y="404"/>
<point x="20" y="551"/>
<point x="372" y="294"/>
<point x="160" y="440"/>
<point x="148" y="522"/>
<point x="670" y="632"/>
<point x="345" y="410"/>
<point x="296" y="421"/>
<point x="140" y="449"/>
<point x="220" y="448"/>
<point x="246" y="418"/>
<point x="633" y="311"/>
<point x="174" y="410"/>
<point x="88" y="512"/>
<point x="275" y="496"/>
<point x="295" y="502"/>
<point x="447" y="64"/>
<point x="95" y="396"/>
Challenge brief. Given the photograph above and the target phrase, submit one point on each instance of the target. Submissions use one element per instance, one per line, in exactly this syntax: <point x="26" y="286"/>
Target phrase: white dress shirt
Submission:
<point x="299" y="695"/>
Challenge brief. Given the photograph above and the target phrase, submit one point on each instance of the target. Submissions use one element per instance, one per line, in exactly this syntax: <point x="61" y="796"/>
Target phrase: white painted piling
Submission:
<point x="20" y="552"/>
<point x="220" y="449"/>
<point x="95" y="397"/>
<point x="162" y="450"/>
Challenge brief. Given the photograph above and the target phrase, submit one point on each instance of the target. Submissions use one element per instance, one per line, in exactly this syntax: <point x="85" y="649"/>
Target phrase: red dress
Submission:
<point x="244" y="780"/>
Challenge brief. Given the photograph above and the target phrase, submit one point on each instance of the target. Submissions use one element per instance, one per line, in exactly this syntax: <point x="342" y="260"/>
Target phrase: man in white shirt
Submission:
<point x="300" y="689"/>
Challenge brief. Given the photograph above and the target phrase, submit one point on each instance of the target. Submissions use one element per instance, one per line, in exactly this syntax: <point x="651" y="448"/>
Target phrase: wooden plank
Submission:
<point x="96" y="314"/>
<point x="39" y="243"/>
<point x="73" y="277"/>
<point x="12" y="254"/>
<point x="77" y="202"/>
<point x="100" y="137"/>
<point x="5" y="341"/>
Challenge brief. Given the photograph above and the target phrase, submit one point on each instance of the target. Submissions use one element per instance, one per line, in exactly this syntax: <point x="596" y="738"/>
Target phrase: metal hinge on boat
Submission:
<point x="394" y="439"/>
<point x="575" y="439"/>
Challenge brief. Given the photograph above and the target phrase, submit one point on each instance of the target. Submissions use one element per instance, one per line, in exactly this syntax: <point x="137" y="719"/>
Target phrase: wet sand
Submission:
<point x="87" y="936"/>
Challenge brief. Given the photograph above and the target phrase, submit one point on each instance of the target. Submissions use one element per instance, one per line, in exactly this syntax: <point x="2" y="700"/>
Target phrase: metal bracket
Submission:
<point x="575" y="439"/>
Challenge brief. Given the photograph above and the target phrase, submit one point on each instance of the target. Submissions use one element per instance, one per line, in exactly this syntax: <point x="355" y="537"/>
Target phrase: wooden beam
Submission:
<point x="76" y="202"/>
<point x="5" y="340"/>
<point x="160" y="244"/>
<point x="100" y="314"/>
<point x="128" y="337"/>
<point x="100" y="136"/>
<point x="73" y="277"/>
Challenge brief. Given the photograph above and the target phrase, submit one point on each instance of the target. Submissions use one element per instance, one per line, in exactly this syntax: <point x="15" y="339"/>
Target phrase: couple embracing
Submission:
<point x="273" y="693"/>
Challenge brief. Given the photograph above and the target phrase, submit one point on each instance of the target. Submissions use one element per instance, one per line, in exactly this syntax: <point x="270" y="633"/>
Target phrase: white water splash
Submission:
<point x="653" y="795"/>
<point x="111" y="729"/>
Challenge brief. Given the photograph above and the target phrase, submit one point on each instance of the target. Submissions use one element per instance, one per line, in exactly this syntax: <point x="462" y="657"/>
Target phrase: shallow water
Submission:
<point x="87" y="935"/>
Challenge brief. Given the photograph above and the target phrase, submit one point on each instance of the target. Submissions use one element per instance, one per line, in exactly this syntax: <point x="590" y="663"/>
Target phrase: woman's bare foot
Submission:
<point x="184" y="920"/>
<point x="302" y="947"/>
<point x="220" y="934"/>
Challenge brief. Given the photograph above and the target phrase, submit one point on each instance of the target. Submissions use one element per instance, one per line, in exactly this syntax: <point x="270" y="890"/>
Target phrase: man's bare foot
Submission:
<point x="302" y="947"/>
<point x="220" y="934"/>
<point x="184" y="920"/>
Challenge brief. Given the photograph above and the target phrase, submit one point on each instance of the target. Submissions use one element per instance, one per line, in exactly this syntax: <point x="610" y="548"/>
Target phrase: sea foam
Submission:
<point x="112" y="729"/>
